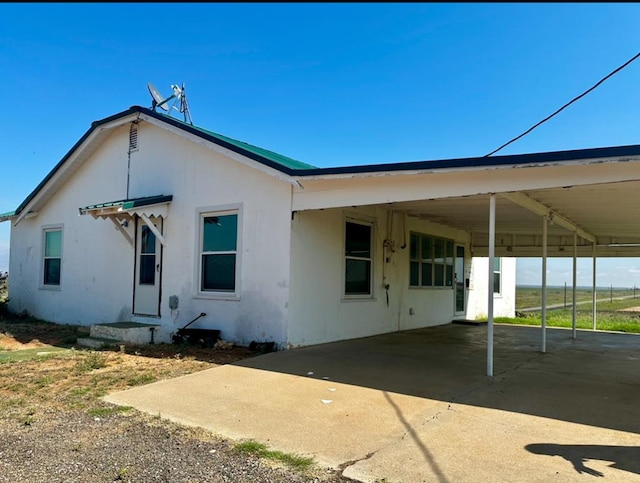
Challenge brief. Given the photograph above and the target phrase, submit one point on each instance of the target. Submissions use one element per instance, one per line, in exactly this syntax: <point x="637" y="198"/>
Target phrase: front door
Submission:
<point x="459" y="282"/>
<point x="146" y="297"/>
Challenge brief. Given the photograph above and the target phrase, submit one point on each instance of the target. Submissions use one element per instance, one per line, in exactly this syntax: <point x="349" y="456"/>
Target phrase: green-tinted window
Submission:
<point x="52" y="263"/>
<point x="220" y="233"/>
<point x="53" y="243"/>
<point x="219" y="252"/>
<point x="431" y="261"/>
<point x="219" y="272"/>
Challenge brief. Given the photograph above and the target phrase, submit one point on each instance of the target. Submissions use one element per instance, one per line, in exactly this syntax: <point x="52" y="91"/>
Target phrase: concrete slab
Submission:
<point x="417" y="406"/>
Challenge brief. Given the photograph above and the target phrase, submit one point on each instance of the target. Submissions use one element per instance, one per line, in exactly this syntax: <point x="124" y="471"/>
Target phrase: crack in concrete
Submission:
<point x="346" y="464"/>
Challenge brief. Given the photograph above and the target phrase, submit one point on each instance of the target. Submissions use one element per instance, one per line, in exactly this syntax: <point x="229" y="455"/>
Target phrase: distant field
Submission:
<point x="532" y="296"/>
<point x="610" y="315"/>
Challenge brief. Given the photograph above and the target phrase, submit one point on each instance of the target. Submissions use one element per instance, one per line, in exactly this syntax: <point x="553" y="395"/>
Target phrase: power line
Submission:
<point x="566" y="105"/>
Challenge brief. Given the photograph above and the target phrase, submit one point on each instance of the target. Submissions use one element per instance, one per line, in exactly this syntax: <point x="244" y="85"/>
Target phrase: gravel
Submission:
<point x="132" y="447"/>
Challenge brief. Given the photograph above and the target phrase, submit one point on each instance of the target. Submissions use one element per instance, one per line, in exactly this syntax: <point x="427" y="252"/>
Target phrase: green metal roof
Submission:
<point x="128" y="204"/>
<point x="7" y="216"/>
<point x="279" y="159"/>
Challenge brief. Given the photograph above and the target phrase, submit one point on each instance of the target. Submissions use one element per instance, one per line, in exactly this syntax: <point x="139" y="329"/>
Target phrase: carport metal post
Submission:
<point x="575" y="281"/>
<point x="492" y="250"/>
<point x="544" y="283"/>
<point x="593" y="300"/>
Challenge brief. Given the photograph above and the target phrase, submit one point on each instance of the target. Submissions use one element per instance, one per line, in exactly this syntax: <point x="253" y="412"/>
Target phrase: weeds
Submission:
<point x="141" y="379"/>
<point x="90" y="361"/>
<point x="300" y="463"/>
<point x="122" y="474"/>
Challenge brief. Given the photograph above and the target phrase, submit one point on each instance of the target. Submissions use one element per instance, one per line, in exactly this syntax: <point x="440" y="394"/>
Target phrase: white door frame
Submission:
<point x="147" y="274"/>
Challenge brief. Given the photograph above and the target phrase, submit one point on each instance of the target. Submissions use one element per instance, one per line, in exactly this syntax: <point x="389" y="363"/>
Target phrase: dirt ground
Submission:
<point x="54" y="425"/>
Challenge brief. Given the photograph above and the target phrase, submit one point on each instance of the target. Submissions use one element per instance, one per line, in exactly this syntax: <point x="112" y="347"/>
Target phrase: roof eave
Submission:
<point x="580" y="156"/>
<point x="7" y="216"/>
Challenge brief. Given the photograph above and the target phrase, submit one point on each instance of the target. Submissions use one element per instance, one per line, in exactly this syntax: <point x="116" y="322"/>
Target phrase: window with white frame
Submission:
<point x="497" y="275"/>
<point x="431" y="261"/>
<point x="218" y="251"/>
<point x="358" y="258"/>
<point x="52" y="256"/>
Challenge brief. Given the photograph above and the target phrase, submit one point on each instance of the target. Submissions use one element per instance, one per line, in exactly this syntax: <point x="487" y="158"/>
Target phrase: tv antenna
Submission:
<point x="178" y="96"/>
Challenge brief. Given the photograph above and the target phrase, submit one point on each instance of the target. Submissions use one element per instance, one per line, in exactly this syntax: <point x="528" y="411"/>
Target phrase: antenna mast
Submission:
<point x="179" y="95"/>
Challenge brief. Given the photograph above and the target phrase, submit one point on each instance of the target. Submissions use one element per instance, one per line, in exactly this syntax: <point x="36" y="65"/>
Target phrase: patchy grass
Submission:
<point x="297" y="462"/>
<point x="39" y="353"/>
<point x="532" y="296"/>
<point x="56" y="398"/>
<point x="40" y="374"/>
<point x="610" y="316"/>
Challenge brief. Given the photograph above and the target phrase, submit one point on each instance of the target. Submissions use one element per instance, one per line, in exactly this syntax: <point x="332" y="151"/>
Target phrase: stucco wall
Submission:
<point x="97" y="262"/>
<point x="504" y="302"/>
<point x="318" y="310"/>
<point x="97" y="266"/>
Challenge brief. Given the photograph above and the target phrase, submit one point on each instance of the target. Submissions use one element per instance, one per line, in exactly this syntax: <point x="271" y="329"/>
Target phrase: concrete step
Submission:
<point x="96" y="342"/>
<point x="131" y="332"/>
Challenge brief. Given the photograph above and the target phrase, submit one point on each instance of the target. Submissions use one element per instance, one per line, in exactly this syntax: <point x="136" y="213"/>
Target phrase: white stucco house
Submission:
<point x="150" y="219"/>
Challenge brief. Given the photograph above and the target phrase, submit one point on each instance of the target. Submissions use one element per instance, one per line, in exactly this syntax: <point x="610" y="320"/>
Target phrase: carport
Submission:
<point x="579" y="203"/>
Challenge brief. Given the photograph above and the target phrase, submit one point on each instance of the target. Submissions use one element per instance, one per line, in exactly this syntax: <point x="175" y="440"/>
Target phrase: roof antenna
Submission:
<point x="179" y="95"/>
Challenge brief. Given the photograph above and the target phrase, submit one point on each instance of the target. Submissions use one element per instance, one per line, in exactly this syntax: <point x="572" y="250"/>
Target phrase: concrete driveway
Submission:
<point x="417" y="406"/>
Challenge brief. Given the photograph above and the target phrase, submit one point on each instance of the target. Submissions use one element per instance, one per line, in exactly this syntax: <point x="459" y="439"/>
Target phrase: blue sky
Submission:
<point x="328" y="84"/>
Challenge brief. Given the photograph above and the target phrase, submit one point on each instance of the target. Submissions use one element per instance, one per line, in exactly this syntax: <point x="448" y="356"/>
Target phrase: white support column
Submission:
<point x="575" y="281"/>
<point x="593" y="308"/>
<point x="544" y="284"/>
<point x="492" y="250"/>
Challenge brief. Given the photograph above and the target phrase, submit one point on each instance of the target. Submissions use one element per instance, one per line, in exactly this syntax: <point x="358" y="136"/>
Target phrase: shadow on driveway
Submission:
<point x="625" y="458"/>
<point x="592" y="380"/>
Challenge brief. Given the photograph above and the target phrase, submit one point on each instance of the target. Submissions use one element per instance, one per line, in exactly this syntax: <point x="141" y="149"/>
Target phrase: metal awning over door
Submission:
<point x="122" y="211"/>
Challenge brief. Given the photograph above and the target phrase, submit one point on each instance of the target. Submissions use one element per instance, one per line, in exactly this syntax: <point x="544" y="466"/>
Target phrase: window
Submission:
<point x="497" y="271"/>
<point x="147" y="256"/>
<point x="218" y="251"/>
<point x="431" y="261"/>
<point x="52" y="256"/>
<point x="358" y="259"/>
